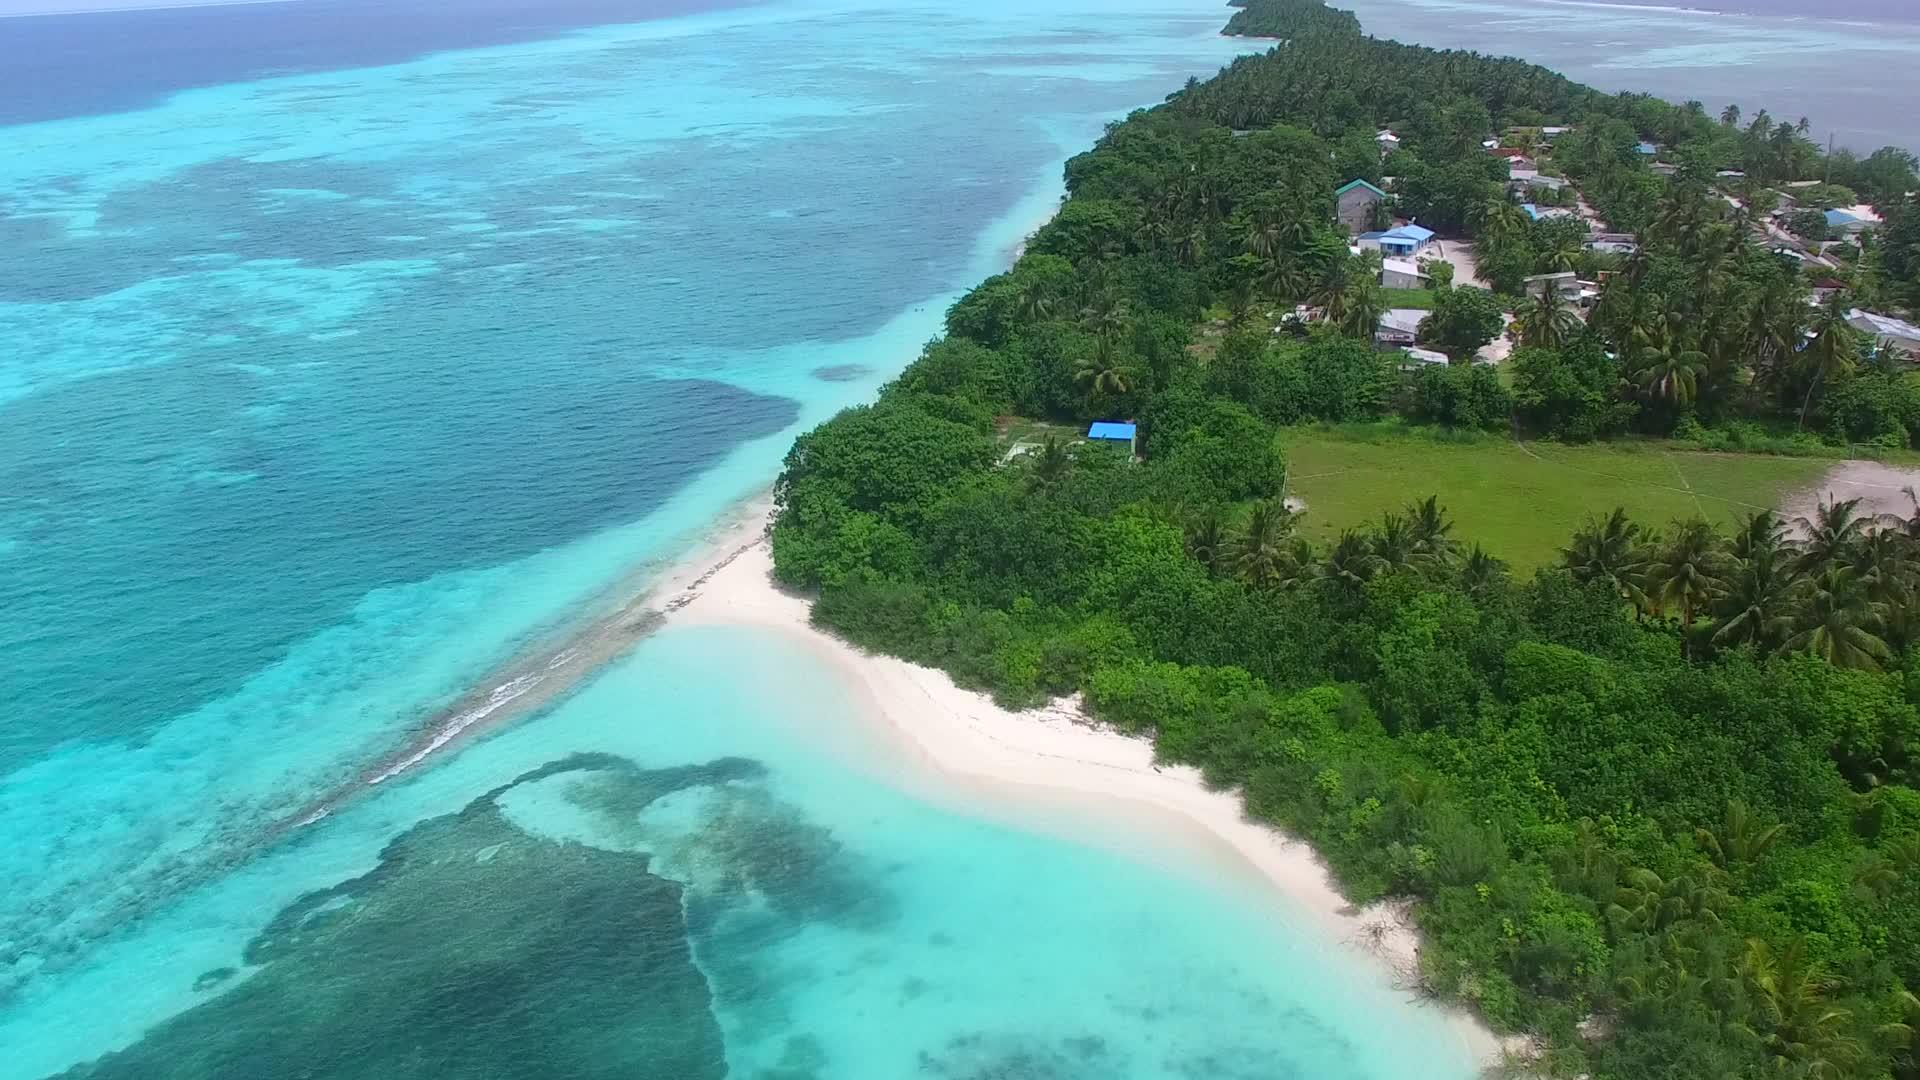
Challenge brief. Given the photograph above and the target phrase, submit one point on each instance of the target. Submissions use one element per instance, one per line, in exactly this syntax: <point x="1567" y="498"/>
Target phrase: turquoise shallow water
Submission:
<point x="837" y="926"/>
<point x="321" y="396"/>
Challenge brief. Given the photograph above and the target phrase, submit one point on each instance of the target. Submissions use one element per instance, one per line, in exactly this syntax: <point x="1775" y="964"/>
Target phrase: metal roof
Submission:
<point x="1415" y="233"/>
<point x="1351" y="184"/>
<point x="1111" y="429"/>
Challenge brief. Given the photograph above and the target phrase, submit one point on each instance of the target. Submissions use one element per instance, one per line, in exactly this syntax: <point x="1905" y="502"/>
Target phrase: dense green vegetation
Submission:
<point x="1656" y="802"/>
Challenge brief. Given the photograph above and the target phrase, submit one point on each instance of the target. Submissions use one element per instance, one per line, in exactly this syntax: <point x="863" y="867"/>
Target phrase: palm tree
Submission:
<point x="1561" y="257"/>
<point x="1832" y="352"/>
<point x="1392" y="543"/>
<point x="1646" y="903"/>
<point x="1830" y="536"/>
<point x="1687" y="571"/>
<point x="1742" y="838"/>
<point x="1362" y="305"/>
<point x="1034" y="301"/>
<point x="1430" y="527"/>
<point x="1262" y="555"/>
<point x="1052" y="463"/>
<point x="1730" y="116"/>
<point x="1664" y="365"/>
<point x="1840" y="623"/>
<point x="1803" y="1033"/>
<point x="1611" y="551"/>
<point x="1501" y="219"/>
<point x="1100" y="375"/>
<point x="1904" y="1035"/>
<point x="1330" y="292"/>
<point x="1265" y="236"/>
<point x="1775" y="330"/>
<point x="1481" y="573"/>
<point x="1351" y="563"/>
<point x="1763" y="532"/>
<point x="1205" y="536"/>
<point x="1548" y="320"/>
<point x="1761" y="598"/>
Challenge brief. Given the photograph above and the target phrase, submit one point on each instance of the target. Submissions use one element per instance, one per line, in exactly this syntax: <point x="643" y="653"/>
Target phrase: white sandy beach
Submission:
<point x="1053" y="762"/>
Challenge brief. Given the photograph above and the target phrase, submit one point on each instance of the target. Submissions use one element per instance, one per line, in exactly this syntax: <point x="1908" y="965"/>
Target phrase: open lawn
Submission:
<point x="1408" y="298"/>
<point x="1522" y="503"/>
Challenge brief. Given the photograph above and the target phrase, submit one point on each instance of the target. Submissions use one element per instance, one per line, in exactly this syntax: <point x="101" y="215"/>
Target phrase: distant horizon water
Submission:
<point x="1837" y="65"/>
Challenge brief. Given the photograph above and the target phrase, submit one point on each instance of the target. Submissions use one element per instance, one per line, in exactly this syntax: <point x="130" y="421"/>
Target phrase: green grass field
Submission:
<point x="1523" y="503"/>
<point x="1408" y="298"/>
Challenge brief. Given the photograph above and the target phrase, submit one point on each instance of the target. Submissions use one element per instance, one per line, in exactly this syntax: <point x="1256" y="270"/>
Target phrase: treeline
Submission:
<point x="1657" y="803"/>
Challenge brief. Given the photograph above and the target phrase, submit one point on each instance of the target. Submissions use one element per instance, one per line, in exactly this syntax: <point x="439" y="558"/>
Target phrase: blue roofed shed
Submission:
<point x="1646" y="148"/>
<point x="1841" y="221"/>
<point x="1114" y="430"/>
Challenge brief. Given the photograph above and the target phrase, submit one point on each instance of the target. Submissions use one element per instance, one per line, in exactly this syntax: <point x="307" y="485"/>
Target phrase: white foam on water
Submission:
<point x="499" y="698"/>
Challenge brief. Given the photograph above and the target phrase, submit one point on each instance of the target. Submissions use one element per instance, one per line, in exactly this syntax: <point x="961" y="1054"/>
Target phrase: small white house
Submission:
<point x="1566" y="283"/>
<point x="1399" y="327"/>
<point x="1388" y="140"/>
<point x="1417" y="357"/>
<point x="1402" y="274"/>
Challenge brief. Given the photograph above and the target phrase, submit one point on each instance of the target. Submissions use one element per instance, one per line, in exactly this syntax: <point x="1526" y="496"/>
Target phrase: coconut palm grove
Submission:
<point x="1654" y="805"/>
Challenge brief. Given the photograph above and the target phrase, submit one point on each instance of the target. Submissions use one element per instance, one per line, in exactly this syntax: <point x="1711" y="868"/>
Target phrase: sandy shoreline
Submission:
<point x="1054" y="754"/>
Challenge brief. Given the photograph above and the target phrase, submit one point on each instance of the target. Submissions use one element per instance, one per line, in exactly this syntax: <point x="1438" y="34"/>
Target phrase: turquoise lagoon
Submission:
<point x="323" y="396"/>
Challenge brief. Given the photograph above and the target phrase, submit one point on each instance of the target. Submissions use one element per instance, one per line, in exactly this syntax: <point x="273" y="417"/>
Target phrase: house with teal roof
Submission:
<point x="1354" y="202"/>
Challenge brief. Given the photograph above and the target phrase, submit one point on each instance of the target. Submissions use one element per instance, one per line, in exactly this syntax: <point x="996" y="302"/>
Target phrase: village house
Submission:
<point x="1402" y="274"/>
<point x="1544" y="213"/>
<point x="1399" y="328"/>
<point x="1846" y="223"/>
<point x="1514" y="157"/>
<point x="1115" y="431"/>
<point x="1612" y="243"/>
<point x="1354" y="202"/>
<point x="1388" y="141"/>
<point x="1525" y="180"/>
<point x="1824" y="288"/>
<point x="1402" y="242"/>
<point x="1887" y="331"/>
<point x="1566" y="283"/>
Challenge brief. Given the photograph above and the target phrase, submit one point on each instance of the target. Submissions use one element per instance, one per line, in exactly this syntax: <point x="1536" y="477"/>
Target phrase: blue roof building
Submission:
<point x="1646" y="148"/>
<point x="1112" y="429"/>
<point x="1531" y="210"/>
<point x="1405" y="240"/>
<point x="1843" y="221"/>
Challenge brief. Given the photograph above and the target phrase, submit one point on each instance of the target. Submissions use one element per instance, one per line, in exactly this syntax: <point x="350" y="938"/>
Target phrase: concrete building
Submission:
<point x="1353" y="204"/>
<point x="1566" y="283"/>
<point x="1402" y="274"/>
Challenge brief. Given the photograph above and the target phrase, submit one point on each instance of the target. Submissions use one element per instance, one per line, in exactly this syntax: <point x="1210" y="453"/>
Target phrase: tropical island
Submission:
<point x="1648" y="777"/>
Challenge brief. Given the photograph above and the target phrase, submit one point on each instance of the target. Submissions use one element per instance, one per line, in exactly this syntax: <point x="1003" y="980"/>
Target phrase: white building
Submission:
<point x="1402" y="274"/>
<point x="1566" y="283"/>
<point x="1399" y="327"/>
